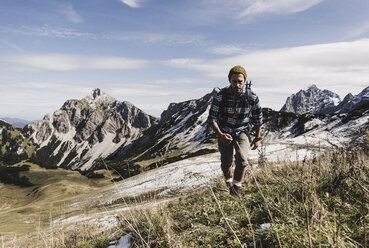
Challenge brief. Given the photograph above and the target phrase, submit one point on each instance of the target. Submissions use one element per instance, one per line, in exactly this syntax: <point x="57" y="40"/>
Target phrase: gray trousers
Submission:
<point x="241" y="145"/>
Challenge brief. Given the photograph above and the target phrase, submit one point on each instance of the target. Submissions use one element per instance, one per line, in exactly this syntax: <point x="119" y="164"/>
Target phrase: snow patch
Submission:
<point x="313" y="123"/>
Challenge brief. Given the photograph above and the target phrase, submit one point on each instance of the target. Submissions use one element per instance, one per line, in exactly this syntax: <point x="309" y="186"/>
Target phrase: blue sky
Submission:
<point x="154" y="52"/>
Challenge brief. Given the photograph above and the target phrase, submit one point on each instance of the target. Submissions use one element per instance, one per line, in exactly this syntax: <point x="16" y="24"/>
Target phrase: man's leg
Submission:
<point x="226" y="158"/>
<point x="242" y="147"/>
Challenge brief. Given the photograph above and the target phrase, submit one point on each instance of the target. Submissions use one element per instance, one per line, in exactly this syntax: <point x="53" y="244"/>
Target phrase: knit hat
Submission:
<point x="237" y="70"/>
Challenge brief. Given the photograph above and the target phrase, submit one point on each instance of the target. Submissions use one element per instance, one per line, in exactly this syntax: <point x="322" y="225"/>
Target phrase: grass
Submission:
<point x="319" y="202"/>
<point x="323" y="202"/>
<point x="28" y="211"/>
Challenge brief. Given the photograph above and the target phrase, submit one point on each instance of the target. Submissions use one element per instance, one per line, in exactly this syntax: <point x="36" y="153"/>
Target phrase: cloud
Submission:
<point x="132" y="3"/>
<point x="358" y="31"/>
<point x="245" y="10"/>
<point x="10" y="45"/>
<point x="63" y="62"/>
<point x="33" y="99"/>
<point x="47" y="31"/>
<point x="277" y="6"/>
<point x="151" y="38"/>
<point x="331" y="66"/>
<point x="69" y="12"/>
<point x="228" y="49"/>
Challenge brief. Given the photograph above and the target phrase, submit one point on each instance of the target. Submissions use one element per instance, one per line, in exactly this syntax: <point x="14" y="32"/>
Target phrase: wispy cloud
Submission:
<point x="246" y="10"/>
<point x="330" y="65"/>
<point x="132" y="3"/>
<point x="47" y="31"/>
<point x="63" y="62"/>
<point x="227" y="49"/>
<point x="277" y="6"/>
<point x="152" y="38"/>
<point x="359" y="30"/>
<point x="69" y="12"/>
<point x="10" y="45"/>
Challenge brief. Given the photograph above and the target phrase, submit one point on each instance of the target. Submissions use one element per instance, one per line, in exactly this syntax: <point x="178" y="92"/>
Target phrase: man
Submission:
<point x="230" y="113"/>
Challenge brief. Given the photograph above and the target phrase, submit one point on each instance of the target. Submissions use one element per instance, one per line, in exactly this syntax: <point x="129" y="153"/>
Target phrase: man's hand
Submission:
<point x="226" y="138"/>
<point x="255" y="143"/>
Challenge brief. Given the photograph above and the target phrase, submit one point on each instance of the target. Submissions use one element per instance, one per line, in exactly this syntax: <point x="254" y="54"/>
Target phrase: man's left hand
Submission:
<point x="255" y="143"/>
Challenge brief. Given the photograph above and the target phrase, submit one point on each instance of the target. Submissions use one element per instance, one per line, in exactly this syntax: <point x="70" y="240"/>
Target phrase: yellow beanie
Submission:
<point x="237" y="70"/>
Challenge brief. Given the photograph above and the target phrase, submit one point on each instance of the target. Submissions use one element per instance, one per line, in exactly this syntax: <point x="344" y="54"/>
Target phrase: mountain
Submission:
<point x="14" y="146"/>
<point x="182" y="131"/>
<point x="83" y="131"/>
<point x="351" y="102"/>
<point x="313" y="100"/>
<point x="16" y="121"/>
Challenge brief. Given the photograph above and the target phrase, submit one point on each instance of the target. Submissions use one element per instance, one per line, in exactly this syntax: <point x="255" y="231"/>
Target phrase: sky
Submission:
<point x="155" y="52"/>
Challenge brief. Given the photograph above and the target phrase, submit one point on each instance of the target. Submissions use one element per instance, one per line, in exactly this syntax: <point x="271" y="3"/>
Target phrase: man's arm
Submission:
<point x="224" y="137"/>
<point x="213" y="120"/>
<point x="256" y="120"/>
<point x="256" y="142"/>
<point x="258" y="132"/>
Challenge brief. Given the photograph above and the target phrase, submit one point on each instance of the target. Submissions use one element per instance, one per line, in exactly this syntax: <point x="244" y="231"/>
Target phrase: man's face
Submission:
<point x="237" y="84"/>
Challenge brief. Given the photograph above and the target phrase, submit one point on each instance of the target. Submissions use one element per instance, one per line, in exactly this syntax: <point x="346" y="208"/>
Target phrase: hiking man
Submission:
<point x="233" y="108"/>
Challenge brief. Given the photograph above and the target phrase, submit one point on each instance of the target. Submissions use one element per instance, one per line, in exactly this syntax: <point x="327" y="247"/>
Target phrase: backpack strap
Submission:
<point x="248" y="91"/>
<point x="247" y="95"/>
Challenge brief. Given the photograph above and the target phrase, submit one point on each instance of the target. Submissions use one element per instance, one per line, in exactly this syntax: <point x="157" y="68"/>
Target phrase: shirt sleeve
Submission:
<point x="215" y="107"/>
<point x="256" y="111"/>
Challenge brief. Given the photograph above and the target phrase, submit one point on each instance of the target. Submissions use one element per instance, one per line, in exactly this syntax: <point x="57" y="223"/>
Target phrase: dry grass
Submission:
<point x="322" y="202"/>
<point x="26" y="213"/>
<point x="319" y="202"/>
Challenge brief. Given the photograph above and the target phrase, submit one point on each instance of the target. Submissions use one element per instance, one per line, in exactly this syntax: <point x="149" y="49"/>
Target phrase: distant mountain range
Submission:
<point x="16" y="121"/>
<point x="83" y="132"/>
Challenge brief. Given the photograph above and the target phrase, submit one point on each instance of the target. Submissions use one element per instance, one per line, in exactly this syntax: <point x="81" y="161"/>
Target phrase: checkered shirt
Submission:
<point x="232" y="113"/>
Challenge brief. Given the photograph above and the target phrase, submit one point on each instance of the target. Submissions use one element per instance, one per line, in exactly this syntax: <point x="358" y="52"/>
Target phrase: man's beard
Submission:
<point x="237" y="91"/>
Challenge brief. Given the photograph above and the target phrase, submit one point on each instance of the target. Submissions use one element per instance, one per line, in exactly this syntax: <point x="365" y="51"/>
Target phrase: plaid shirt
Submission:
<point x="232" y="113"/>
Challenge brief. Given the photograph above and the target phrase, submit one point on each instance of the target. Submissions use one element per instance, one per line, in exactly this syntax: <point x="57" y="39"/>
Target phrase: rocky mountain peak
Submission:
<point x="82" y="131"/>
<point x="312" y="100"/>
<point x="96" y="93"/>
<point x="313" y="87"/>
<point x="98" y="97"/>
<point x="351" y="102"/>
<point x="366" y="91"/>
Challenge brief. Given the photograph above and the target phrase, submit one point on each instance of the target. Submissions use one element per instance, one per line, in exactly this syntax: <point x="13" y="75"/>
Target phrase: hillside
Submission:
<point x="317" y="201"/>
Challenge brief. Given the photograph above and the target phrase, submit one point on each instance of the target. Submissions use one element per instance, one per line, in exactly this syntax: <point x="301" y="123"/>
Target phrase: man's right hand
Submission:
<point x="226" y="138"/>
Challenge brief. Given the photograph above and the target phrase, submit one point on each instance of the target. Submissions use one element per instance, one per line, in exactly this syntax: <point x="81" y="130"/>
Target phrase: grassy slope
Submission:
<point x="323" y="202"/>
<point x="25" y="210"/>
<point x="310" y="203"/>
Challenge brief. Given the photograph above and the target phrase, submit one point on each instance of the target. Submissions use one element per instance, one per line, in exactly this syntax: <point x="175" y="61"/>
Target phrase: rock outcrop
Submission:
<point x="313" y="100"/>
<point x="82" y="131"/>
<point x="351" y="102"/>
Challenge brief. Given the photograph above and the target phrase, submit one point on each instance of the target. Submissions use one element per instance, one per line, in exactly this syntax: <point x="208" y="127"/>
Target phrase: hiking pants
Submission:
<point x="241" y="145"/>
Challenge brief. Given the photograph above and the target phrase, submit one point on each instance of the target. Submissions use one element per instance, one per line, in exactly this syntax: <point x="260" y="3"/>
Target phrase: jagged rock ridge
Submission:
<point x="82" y="131"/>
<point x="313" y="100"/>
<point x="351" y="102"/>
<point x="182" y="127"/>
